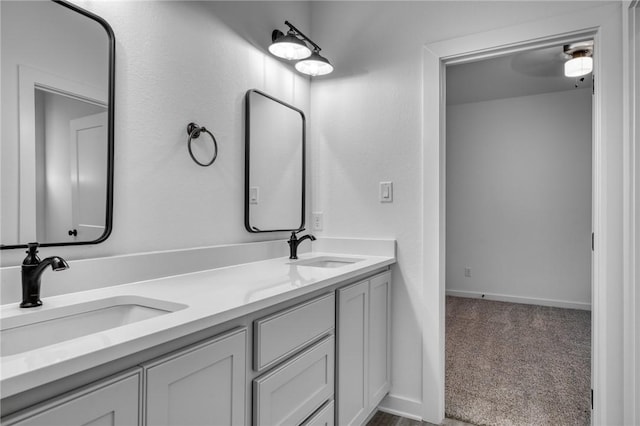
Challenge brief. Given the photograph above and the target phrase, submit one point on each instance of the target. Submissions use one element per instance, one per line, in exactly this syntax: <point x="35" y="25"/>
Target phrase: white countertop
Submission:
<point x="212" y="297"/>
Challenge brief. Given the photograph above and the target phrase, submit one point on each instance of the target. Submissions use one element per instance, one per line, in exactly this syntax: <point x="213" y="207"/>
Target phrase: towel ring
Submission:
<point x="194" y="131"/>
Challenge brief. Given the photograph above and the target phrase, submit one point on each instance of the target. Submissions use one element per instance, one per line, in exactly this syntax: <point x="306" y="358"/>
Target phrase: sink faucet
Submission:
<point x="294" y="242"/>
<point x="32" y="269"/>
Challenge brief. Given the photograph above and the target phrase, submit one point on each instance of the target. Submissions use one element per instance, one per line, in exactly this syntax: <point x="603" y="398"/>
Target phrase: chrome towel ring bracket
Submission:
<point x="194" y="131"/>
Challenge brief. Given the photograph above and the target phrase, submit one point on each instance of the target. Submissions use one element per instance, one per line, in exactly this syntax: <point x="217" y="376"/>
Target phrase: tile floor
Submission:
<point x="386" y="419"/>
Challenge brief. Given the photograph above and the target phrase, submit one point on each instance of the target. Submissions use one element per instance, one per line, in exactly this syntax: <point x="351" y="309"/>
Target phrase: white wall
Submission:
<point x="519" y="198"/>
<point x="178" y="62"/>
<point x="366" y="127"/>
<point x="633" y="408"/>
<point x="636" y="209"/>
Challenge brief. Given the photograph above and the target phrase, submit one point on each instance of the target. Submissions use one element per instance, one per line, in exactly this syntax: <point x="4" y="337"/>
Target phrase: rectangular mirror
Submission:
<point x="57" y="124"/>
<point x="275" y="164"/>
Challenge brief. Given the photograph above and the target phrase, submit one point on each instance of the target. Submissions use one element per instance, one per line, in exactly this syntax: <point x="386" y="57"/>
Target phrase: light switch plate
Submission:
<point x="317" y="219"/>
<point x="254" y="194"/>
<point x="386" y="192"/>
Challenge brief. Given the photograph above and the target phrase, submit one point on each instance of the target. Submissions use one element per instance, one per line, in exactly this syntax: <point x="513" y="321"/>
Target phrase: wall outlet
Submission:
<point x="316" y="219"/>
<point x="467" y="272"/>
<point x="386" y="192"/>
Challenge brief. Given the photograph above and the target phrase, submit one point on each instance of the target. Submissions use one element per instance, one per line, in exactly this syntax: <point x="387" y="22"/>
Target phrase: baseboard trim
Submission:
<point x="403" y="407"/>
<point x="519" y="299"/>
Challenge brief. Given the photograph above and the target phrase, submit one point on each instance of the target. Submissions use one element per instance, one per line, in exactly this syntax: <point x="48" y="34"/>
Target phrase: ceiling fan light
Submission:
<point x="289" y="47"/>
<point x="578" y="66"/>
<point x="314" y="65"/>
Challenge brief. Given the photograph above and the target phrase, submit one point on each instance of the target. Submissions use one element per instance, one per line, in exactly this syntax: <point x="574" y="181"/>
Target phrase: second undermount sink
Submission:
<point x="31" y="330"/>
<point x="327" y="261"/>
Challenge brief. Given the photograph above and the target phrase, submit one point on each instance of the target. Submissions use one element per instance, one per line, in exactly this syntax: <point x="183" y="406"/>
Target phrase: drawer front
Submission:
<point x="292" y="392"/>
<point x="323" y="417"/>
<point x="282" y="334"/>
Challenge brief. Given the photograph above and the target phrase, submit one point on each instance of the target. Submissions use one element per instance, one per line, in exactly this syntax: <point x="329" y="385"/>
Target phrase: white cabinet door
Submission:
<point x="201" y="385"/>
<point x="379" y="344"/>
<point x="363" y="348"/>
<point x="353" y="313"/>
<point x="113" y="402"/>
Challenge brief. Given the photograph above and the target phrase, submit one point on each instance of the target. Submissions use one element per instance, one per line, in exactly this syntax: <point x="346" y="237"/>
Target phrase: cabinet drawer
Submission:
<point x="323" y="417"/>
<point x="282" y="334"/>
<point x="114" y="401"/>
<point x="292" y="392"/>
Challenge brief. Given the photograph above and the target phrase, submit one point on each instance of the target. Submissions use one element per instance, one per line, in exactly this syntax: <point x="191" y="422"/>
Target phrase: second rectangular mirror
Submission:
<point x="275" y="164"/>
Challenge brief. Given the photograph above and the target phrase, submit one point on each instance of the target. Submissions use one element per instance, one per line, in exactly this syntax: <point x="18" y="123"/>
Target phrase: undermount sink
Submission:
<point x="31" y="330"/>
<point x="327" y="262"/>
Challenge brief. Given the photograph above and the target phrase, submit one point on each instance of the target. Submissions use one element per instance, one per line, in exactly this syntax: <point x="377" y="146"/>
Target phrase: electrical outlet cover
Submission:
<point x="317" y="219"/>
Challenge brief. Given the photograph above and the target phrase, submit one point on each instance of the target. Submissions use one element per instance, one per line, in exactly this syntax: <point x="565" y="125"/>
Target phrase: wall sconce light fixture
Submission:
<point x="288" y="46"/>
<point x="293" y="46"/>
<point x="580" y="59"/>
<point x="314" y="65"/>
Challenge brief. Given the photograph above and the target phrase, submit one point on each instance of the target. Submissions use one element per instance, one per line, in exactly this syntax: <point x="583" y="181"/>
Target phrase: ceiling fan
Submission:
<point x="551" y="61"/>
<point x="580" y="61"/>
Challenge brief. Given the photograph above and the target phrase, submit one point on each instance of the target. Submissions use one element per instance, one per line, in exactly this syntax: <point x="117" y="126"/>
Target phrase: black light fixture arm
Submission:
<point x="301" y="34"/>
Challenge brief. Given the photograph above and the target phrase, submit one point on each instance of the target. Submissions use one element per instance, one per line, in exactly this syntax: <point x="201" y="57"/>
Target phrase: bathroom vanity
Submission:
<point x="237" y="335"/>
<point x="263" y="343"/>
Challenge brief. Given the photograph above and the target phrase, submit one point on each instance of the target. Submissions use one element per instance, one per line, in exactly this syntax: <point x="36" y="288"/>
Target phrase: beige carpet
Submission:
<point x="516" y="364"/>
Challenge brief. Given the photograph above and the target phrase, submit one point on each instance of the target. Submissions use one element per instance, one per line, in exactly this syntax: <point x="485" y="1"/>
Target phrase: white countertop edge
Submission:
<point x="127" y="341"/>
<point x="133" y="267"/>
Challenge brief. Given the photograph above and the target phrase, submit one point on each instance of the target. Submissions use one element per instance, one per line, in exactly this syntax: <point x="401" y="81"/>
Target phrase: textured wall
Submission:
<point x="178" y="62"/>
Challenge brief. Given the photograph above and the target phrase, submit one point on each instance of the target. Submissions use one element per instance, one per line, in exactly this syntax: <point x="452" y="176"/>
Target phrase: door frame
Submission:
<point x="631" y="234"/>
<point x="603" y="25"/>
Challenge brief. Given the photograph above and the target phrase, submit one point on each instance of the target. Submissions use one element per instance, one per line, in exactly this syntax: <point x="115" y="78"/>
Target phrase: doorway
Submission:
<point x="601" y="24"/>
<point x="518" y="240"/>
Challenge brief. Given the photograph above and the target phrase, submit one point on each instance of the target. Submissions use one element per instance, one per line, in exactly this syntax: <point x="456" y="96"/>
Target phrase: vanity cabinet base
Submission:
<point x="363" y="355"/>
<point x="318" y="360"/>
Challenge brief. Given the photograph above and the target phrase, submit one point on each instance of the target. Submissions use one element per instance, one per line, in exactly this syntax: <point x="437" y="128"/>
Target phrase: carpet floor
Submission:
<point x="516" y="364"/>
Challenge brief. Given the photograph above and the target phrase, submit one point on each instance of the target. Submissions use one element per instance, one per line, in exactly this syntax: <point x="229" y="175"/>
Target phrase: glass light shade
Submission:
<point x="290" y="47"/>
<point x="579" y="66"/>
<point x="314" y="65"/>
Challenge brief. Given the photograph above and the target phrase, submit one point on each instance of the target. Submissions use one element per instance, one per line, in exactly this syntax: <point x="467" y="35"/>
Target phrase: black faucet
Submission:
<point x="294" y="242"/>
<point x="32" y="269"/>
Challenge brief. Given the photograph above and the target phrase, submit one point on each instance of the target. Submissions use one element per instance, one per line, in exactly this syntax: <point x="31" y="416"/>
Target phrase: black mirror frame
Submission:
<point x="247" y="136"/>
<point x="110" y="128"/>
